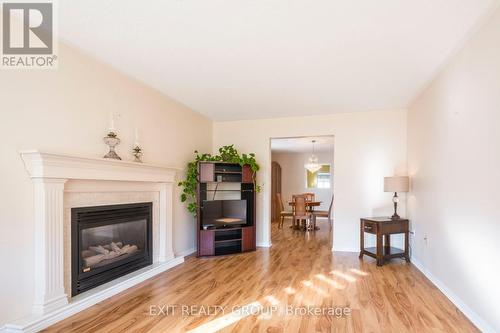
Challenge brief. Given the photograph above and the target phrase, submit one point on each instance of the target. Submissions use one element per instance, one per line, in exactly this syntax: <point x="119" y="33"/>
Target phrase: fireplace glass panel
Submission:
<point x="108" y="244"/>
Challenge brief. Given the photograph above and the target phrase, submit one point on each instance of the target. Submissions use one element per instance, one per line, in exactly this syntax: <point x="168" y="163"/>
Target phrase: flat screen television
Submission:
<point x="224" y="213"/>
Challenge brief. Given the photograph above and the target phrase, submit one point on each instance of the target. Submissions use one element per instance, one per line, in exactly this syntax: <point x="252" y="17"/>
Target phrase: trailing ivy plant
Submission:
<point x="226" y="154"/>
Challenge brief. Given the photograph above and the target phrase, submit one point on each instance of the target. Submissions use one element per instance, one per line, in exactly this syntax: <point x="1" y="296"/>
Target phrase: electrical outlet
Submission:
<point x="412" y="236"/>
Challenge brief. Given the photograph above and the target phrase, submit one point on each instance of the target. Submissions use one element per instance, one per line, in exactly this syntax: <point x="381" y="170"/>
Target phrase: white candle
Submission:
<point x="111" y="122"/>
<point x="136" y="137"/>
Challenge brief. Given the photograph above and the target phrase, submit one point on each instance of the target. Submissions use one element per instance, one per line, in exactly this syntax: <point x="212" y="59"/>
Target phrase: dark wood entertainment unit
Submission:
<point x="229" y="181"/>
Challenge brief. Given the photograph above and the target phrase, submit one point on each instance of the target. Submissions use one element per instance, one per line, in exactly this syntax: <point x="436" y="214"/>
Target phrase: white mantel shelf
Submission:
<point x="50" y="172"/>
<point x="51" y="165"/>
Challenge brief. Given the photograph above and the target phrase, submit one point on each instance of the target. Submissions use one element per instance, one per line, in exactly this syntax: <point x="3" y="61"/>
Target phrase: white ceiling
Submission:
<point x="323" y="144"/>
<point x="246" y="59"/>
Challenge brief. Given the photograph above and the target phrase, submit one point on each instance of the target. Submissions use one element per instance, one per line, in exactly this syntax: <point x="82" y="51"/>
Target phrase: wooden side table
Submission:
<point x="383" y="228"/>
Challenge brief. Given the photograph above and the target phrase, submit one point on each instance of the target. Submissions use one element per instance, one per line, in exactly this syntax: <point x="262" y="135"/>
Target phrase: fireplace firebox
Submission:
<point x="108" y="242"/>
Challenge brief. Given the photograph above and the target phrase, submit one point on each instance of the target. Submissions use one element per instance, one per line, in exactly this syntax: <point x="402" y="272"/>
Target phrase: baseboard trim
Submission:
<point x="481" y="324"/>
<point x="344" y="249"/>
<point x="264" y="244"/>
<point x="186" y="253"/>
<point x="35" y="323"/>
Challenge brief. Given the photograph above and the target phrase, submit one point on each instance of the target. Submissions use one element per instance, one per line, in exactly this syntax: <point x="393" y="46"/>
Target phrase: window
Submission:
<point x="320" y="178"/>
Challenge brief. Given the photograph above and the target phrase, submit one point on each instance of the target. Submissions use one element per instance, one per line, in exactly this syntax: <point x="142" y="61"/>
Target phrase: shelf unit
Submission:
<point x="233" y="239"/>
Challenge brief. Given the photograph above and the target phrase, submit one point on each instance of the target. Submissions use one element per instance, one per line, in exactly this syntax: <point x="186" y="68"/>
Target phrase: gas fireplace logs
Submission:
<point x="95" y="254"/>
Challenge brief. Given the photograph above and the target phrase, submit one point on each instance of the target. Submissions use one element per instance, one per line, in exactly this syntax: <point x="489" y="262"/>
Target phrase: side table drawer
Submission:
<point x="394" y="227"/>
<point x="370" y="227"/>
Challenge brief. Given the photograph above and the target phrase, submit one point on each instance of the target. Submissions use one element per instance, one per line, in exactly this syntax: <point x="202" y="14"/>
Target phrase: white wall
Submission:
<point x="66" y="110"/>
<point x="368" y="146"/>
<point x="293" y="176"/>
<point x="454" y="161"/>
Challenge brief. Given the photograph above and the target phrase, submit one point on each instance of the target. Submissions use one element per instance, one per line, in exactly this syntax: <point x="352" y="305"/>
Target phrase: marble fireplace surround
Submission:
<point x="62" y="182"/>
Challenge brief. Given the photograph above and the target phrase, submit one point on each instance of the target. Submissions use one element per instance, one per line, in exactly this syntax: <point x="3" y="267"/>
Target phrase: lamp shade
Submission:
<point x="396" y="184"/>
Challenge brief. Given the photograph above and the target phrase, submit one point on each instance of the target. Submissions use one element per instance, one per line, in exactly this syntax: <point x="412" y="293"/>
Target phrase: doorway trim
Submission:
<point x="267" y="180"/>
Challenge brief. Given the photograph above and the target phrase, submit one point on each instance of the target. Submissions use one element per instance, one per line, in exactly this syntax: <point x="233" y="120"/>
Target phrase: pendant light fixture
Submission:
<point x="312" y="165"/>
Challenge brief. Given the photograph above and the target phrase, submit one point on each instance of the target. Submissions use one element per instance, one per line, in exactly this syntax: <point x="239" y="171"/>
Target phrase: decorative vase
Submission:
<point x="137" y="152"/>
<point x="112" y="141"/>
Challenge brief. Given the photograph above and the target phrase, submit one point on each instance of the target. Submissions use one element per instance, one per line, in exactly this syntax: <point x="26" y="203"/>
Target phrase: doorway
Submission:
<point x="301" y="165"/>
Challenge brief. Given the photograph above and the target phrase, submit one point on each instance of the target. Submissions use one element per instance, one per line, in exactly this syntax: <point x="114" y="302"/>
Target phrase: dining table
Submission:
<point x="310" y="207"/>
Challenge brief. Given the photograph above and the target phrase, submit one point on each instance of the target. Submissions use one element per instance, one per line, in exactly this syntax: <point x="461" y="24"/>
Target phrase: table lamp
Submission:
<point x="396" y="184"/>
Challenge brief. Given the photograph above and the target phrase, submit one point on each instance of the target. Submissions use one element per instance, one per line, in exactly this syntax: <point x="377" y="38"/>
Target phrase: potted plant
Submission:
<point x="226" y="154"/>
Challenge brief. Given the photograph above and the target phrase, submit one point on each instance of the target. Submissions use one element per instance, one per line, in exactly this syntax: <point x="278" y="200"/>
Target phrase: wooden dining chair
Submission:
<point x="309" y="196"/>
<point x="300" y="212"/>
<point x="283" y="213"/>
<point x="326" y="213"/>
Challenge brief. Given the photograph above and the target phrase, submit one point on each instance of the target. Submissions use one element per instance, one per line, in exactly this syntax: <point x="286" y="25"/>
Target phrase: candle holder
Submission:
<point x="112" y="140"/>
<point x="137" y="152"/>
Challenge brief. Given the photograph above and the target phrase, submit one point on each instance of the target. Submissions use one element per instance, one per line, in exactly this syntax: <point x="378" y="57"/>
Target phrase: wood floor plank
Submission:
<point x="299" y="270"/>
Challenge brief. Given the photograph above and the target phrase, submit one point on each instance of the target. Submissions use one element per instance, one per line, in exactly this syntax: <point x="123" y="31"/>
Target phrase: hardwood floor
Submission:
<point x="299" y="270"/>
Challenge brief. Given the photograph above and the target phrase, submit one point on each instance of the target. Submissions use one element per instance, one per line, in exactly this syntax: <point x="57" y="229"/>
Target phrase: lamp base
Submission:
<point x="395" y="200"/>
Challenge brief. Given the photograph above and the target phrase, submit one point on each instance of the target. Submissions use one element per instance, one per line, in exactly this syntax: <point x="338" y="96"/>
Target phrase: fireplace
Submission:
<point x="108" y="242"/>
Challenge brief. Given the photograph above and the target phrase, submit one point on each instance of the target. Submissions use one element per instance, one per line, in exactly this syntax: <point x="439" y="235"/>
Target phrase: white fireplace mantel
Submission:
<point x="50" y="165"/>
<point x="49" y="173"/>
